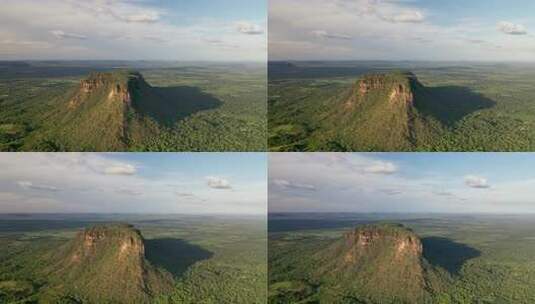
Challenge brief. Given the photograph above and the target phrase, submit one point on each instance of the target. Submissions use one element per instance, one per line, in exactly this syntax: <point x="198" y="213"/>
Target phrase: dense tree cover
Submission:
<point x="212" y="259"/>
<point x="200" y="108"/>
<point x="476" y="259"/>
<point x="474" y="107"/>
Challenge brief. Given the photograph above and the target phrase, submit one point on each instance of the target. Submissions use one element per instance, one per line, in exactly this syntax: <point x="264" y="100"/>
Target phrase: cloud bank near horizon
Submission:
<point x="397" y="182"/>
<point x="135" y="30"/>
<point x="137" y="183"/>
<point x="401" y="30"/>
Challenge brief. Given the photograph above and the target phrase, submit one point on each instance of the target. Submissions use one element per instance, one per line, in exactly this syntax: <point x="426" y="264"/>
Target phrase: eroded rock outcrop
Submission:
<point x="118" y="86"/>
<point x="113" y="240"/>
<point x="369" y="256"/>
<point x="391" y="239"/>
<point x="397" y="87"/>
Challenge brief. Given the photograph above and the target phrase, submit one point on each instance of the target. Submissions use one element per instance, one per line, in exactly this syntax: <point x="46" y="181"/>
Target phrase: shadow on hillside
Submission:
<point x="171" y="104"/>
<point x="449" y="104"/>
<point x="174" y="255"/>
<point x="450" y="255"/>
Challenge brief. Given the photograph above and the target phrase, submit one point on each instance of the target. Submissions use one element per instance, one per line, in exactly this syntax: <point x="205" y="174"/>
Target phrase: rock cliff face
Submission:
<point x="379" y="112"/>
<point x="121" y="241"/>
<point x="117" y="86"/>
<point x="398" y="87"/>
<point x="385" y="260"/>
<point x="401" y="93"/>
<point x="372" y="82"/>
<point x="364" y="241"/>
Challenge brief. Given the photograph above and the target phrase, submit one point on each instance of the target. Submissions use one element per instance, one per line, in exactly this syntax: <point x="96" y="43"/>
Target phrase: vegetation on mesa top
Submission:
<point x="470" y="254"/>
<point x="112" y="111"/>
<point x="184" y="109"/>
<point x="211" y="259"/>
<point x="107" y="263"/>
<point x="376" y="263"/>
<point x="328" y="114"/>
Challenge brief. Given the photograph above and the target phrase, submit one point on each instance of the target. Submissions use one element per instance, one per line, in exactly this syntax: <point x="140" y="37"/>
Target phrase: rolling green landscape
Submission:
<point x="401" y="258"/>
<point x="85" y="258"/>
<point x="132" y="106"/>
<point x="449" y="106"/>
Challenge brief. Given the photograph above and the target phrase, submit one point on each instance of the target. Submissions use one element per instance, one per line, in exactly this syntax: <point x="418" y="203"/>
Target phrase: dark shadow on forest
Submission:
<point x="448" y="254"/>
<point x="449" y="104"/>
<point x="171" y="104"/>
<point x="174" y="255"/>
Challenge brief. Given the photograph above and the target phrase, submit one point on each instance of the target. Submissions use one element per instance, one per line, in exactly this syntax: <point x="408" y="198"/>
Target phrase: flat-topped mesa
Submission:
<point x="118" y="85"/>
<point x="368" y="239"/>
<point x="108" y="255"/>
<point x="398" y="86"/>
<point x="371" y="82"/>
<point x="94" y="82"/>
<point x="121" y="240"/>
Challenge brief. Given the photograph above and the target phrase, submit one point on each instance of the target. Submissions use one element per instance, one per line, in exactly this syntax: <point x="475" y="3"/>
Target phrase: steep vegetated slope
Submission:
<point x="106" y="264"/>
<point x="211" y="260"/>
<point x="173" y="107"/>
<point x="112" y="111"/>
<point x="379" y="112"/>
<point x="380" y="263"/>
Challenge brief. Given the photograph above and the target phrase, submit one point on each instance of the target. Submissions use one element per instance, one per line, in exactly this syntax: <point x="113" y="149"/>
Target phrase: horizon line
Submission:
<point x="400" y="60"/>
<point x="130" y="60"/>
<point x="397" y="213"/>
<point x="121" y="213"/>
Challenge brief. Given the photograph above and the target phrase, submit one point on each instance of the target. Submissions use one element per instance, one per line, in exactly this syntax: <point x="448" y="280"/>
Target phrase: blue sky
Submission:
<point x="228" y="10"/>
<point x="190" y="183"/>
<point x="197" y="165"/>
<point x="402" y="182"/>
<point x="181" y="30"/>
<point x="474" y="30"/>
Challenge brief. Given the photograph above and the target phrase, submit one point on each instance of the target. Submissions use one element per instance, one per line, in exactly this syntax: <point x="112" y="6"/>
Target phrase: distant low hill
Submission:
<point x="106" y="264"/>
<point x="379" y="112"/>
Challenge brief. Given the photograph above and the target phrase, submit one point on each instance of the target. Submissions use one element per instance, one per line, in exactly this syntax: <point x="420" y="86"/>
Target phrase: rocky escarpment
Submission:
<point x="106" y="263"/>
<point x="385" y="258"/>
<point x="379" y="112"/>
<point x="123" y="241"/>
<point x="116" y="86"/>
<point x="363" y="241"/>
<point x="397" y="87"/>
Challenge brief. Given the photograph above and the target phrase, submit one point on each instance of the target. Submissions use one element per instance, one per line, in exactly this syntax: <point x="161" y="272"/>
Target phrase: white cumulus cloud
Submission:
<point x="31" y="185"/>
<point x="511" y="28"/>
<point x="381" y="167"/>
<point x="249" y="28"/>
<point x="326" y="35"/>
<point x="286" y="184"/>
<point x="63" y="35"/>
<point x="216" y="182"/>
<point x="122" y="169"/>
<point x="404" y="17"/>
<point x="474" y="181"/>
<point x="141" y="18"/>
